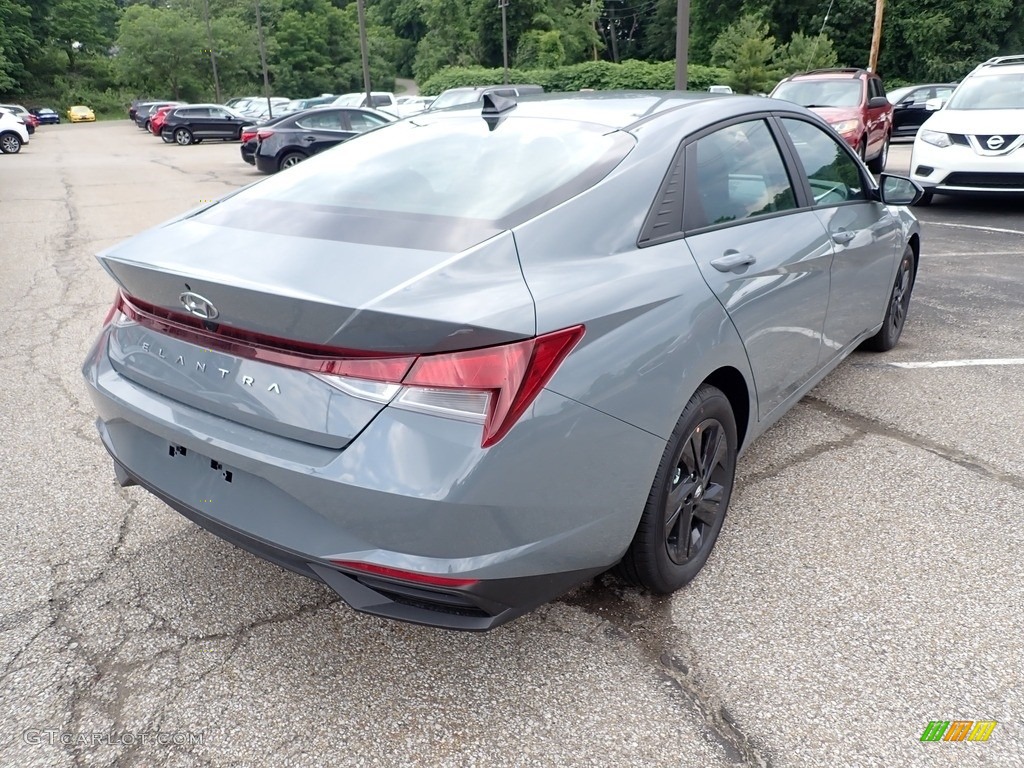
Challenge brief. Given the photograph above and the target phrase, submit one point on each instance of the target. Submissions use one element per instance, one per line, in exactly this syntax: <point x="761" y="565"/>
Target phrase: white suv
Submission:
<point x="974" y="143"/>
<point x="13" y="133"/>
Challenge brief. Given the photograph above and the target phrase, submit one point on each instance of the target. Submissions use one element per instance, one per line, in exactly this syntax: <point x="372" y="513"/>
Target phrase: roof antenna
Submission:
<point x="495" y="107"/>
<point x="814" y="50"/>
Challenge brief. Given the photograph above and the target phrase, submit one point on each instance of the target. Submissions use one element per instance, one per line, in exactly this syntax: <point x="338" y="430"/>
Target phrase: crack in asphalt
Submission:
<point x="646" y="628"/>
<point x="866" y="425"/>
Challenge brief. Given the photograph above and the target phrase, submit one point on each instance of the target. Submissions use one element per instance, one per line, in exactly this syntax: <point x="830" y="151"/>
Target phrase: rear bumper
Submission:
<point x="265" y="164"/>
<point x="554" y="503"/>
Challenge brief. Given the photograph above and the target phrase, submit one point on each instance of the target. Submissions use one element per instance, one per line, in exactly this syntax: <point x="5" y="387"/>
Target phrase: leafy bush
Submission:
<point x="597" y="75"/>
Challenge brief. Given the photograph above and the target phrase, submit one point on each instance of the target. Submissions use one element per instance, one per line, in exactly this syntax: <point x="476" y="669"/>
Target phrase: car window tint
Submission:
<point x="739" y="174"/>
<point x="1001" y="91"/>
<point x="452" y="167"/>
<point x="322" y="121"/>
<point x="834" y="175"/>
<point x="360" y="121"/>
<point x="820" y="93"/>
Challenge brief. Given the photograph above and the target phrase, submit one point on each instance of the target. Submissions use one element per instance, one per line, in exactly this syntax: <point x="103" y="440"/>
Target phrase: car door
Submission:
<point x="863" y="233"/>
<point x="910" y="112"/>
<point x="878" y="117"/>
<point x="766" y="260"/>
<point x="222" y="124"/>
<point x="321" y="129"/>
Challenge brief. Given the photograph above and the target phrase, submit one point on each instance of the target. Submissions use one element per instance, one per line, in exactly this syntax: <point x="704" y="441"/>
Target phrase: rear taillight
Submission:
<point x="248" y="136"/>
<point x="263" y="134"/>
<point x="492" y="386"/>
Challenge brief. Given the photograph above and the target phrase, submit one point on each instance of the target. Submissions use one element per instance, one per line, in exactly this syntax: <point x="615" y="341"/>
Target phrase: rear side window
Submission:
<point x="360" y="121"/>
<point x="736" y="173"/>
<point x="324" y="121"/>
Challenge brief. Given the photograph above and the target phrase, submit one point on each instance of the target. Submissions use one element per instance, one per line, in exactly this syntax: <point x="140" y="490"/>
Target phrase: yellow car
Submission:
<point x="81" y="114"/>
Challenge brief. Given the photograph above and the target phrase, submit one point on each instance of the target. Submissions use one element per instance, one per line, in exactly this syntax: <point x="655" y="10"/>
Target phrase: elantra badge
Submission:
<point x="198" y="305"/>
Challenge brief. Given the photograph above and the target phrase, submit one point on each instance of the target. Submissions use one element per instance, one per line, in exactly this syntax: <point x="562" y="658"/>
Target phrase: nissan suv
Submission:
<point x="853" y="102"/>
<point x="975" y="143"/>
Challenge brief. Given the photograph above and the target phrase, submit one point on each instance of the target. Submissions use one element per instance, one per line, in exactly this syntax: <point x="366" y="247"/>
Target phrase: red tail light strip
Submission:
<point x="512" y="374"/>
<point x="314" y="358"/>
<point x="409" y="576"/>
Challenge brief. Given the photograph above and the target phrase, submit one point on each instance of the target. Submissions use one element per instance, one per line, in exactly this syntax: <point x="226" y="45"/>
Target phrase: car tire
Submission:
<point x="292" y="158"/>
<point x="688" y="499"/>
<point x="10" y="143"/>
<point x="182" y="137"/>
<point x="877" y="165"/>
<point x="149" y="126"/>
<point x="862" y="149"/>
<point x="897" y="307"/>
<point x="167" y="138"/>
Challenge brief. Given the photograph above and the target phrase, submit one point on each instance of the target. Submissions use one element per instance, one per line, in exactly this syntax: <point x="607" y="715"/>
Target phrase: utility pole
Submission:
<point x="503" y="4"/>
<point x="613" y="31"/>
<point x="364" y="51"/>
<point x="682" y="43"/>
<point x="213" y="55"/>
<point x="263" y="59"/>
<point x="876" y="37"/>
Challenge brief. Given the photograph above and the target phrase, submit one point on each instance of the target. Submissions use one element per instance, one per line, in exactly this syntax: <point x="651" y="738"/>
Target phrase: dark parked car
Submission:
<point x="248" y="148"/>
<point x="454" y="367"/>
<point x="910" y="107"/>
<point x="853" y="101"/>
<point x="198" y="122"/>
<point x="46" y="115"/>
<point x="299" y="136"/>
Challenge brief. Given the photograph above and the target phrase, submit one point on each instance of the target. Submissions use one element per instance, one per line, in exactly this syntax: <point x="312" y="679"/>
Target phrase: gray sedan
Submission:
<point x="457" y="365"/>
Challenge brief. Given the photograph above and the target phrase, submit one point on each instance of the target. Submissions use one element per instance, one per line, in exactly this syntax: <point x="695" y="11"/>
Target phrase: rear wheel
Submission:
<point x="899" y="305"/>
<point x="10" y="143"/>
<point x="292" y="158"/>
<point x="689" y="498"/>
<point x="183" y="137"/>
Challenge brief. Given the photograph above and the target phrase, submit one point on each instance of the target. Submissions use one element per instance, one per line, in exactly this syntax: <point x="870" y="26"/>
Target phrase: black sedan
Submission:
<point x="144" y="112"/>
<point x="249" y="139"/>
<point x="910" y="105"/>
<point x="301" y="135"/>
<point x="45" y="115"/>
<point x="197" y="122"/>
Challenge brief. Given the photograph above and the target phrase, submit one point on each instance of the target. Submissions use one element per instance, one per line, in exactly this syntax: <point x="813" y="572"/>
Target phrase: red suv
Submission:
<point x="853" y="101"/>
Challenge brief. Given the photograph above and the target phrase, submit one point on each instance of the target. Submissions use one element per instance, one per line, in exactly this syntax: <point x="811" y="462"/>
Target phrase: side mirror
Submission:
<point x="877" y="102"/>
<point x="899" y="190"/>
<point x="933" y="105"/>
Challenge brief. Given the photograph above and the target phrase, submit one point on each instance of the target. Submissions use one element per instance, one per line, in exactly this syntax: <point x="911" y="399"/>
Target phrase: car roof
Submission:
<point x="613" y="109"/>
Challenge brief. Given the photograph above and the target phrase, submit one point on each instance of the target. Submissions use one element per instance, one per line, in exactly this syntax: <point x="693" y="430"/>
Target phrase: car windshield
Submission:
<point x="820" y="93"/>
<point x="1002" y="91"/>
<point x="457" y="170"/>
<point x="455" y="98"/>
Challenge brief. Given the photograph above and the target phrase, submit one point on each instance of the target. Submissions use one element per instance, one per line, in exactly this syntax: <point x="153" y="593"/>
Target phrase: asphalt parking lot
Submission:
<point x="868" y="579"/>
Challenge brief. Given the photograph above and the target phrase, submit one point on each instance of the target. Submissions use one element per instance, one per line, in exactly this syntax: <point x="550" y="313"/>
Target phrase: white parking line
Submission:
<point x="961" y="363"/>
<point x="975" y="226"/>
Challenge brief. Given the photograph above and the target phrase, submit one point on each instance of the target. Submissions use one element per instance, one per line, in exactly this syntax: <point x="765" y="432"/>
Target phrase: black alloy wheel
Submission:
<point x="897" y="308"/>
<point x="689" y="498"/>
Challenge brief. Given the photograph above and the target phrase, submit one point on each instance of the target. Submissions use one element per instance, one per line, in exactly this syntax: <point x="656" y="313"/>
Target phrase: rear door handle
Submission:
<point x="843" y="236"/>
<point x="731" y="260"/>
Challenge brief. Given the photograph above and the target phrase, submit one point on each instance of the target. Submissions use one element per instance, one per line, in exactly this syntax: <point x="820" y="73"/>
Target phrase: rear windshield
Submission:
<point x="820" y="93"/>
<point x="1003" y="91"/>
<point x="449" y="171"/>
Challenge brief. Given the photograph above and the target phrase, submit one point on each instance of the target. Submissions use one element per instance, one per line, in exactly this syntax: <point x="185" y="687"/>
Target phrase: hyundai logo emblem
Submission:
<point x="198" y="305"/>
<point x="995" y="142"/>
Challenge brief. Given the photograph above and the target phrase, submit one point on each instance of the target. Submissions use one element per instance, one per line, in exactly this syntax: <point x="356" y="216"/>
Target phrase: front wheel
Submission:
<point x="10" y="144"/>
<point x="877" y="165"/>
<point x="689" y="498"/>
<point x="183" y="137"/>
<point x="896" y="311"/>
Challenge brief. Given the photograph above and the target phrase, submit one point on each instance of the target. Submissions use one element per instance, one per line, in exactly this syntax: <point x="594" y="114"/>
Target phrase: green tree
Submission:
<point x="747" y="50"/>
<point x="82" y="26"/>
<point x="161" y="51"/>
<point x="315" y="50"/>
<point x="15" y="43"/>
<point x="802" y="53"/>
